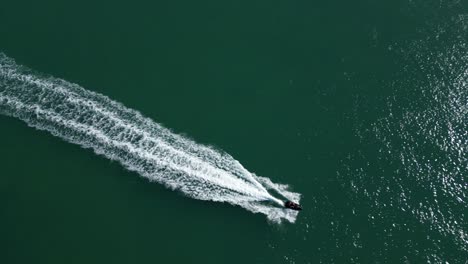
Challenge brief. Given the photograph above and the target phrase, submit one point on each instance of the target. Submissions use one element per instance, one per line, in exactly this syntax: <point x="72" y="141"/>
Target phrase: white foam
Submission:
<point x="109" y="128"/>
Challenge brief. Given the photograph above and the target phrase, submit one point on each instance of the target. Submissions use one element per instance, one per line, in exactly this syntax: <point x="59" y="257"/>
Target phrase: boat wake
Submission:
<point x="94" y="121"/>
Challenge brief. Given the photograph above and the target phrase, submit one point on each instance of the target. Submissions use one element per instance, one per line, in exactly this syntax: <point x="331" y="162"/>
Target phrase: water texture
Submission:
<point x="94" y="121"/>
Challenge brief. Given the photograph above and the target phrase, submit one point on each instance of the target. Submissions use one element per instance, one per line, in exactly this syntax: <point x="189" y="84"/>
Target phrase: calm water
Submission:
<point x="361" y="107"/>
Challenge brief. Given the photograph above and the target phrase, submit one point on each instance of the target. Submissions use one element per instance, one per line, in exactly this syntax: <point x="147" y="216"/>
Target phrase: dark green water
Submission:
<point x="361" y="107"/>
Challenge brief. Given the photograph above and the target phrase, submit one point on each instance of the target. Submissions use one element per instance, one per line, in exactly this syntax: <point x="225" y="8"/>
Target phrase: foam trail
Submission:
<point x="109" y="128"/>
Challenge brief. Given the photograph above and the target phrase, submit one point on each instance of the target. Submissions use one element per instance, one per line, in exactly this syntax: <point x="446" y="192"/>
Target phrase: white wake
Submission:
<point x="109" y="128"/>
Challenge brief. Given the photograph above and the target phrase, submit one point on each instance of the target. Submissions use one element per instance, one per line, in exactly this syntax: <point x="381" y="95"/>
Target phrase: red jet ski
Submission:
<point x="292" y="206"/>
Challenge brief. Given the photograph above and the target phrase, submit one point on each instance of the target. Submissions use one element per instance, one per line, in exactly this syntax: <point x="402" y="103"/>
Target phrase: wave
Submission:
<point x="94" y="121"/>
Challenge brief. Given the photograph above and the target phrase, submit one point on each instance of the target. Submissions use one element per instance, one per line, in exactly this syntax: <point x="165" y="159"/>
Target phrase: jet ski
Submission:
<point x="292" y="206"/>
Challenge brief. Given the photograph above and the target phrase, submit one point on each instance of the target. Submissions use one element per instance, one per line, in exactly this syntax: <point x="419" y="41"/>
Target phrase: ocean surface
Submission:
<point x="357" y="109"/>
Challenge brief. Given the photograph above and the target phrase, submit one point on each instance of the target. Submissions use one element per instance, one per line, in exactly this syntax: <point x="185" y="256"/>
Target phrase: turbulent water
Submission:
<point x="94" y="121"/>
